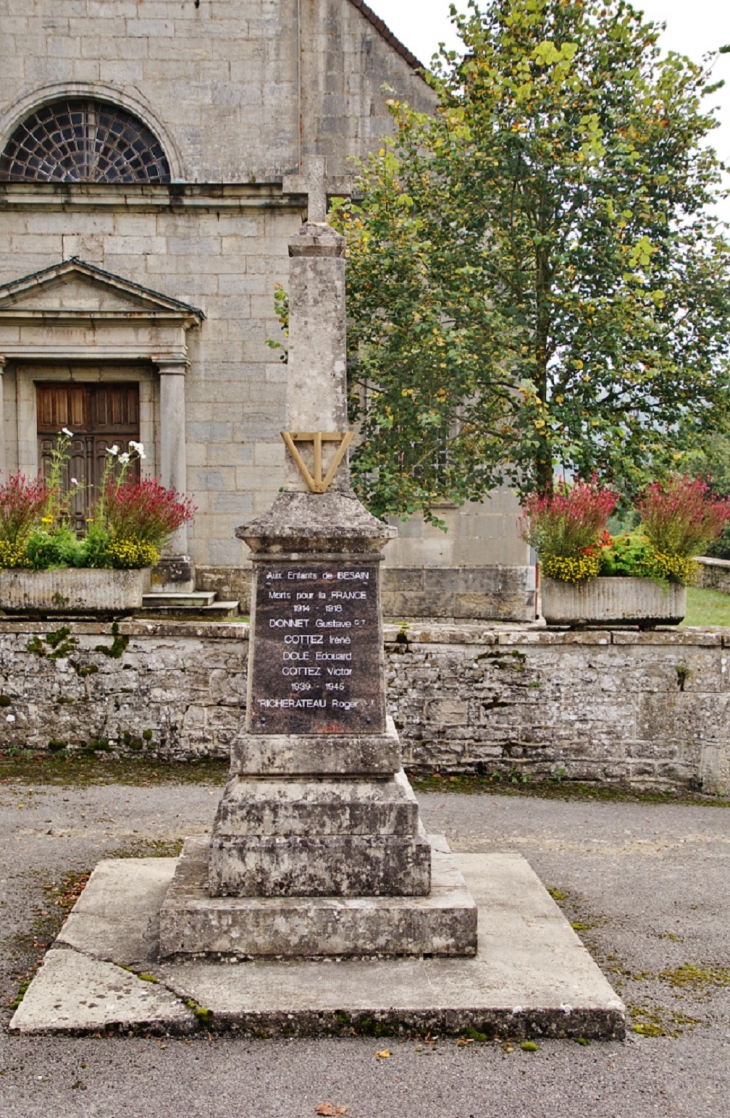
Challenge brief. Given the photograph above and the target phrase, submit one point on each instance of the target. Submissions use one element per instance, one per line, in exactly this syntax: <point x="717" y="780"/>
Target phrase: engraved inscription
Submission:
<point x="316" y="652"/>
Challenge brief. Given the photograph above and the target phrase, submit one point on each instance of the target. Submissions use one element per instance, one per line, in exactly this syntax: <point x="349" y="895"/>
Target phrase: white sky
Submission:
<point x="694" y="27"/>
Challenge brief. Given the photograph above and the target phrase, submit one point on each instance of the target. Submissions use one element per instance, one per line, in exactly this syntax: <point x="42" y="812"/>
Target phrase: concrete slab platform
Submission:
<point x="73" y="993"/>
<point x="531" y="976"/>
<point x="125" y="933"/>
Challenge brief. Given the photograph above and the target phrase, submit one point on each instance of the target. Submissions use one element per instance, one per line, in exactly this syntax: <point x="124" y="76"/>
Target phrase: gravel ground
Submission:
<point x="647" y="885"/>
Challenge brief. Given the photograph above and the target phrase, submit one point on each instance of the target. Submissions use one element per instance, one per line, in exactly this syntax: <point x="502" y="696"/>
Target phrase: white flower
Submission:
<point x="74" y="481"/>
<point x="124" y="458"/>
<point x="113" y="450"/>
<point x="65" y="431"/>
<point x="138" y="448"/>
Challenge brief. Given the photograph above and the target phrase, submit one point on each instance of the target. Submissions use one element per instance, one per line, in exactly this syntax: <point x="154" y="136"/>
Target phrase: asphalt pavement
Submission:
<point x="645" y="884"/>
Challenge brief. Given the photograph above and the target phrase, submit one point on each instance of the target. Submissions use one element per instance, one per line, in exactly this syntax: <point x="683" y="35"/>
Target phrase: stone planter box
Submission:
<point x="72" y="590"/>
<point x="613" y="601"/>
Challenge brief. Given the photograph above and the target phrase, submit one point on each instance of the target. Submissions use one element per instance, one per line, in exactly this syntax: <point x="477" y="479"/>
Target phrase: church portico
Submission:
<point x="85" y="349"/>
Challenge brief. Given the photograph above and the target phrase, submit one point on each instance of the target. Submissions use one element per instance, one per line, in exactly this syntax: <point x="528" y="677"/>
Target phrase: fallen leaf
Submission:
<point x="384" y="1055"/>
<point x="330" y="1111"/>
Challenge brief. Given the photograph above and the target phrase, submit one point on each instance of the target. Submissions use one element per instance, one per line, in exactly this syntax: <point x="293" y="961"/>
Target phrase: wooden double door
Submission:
<point x="99" y="415"/>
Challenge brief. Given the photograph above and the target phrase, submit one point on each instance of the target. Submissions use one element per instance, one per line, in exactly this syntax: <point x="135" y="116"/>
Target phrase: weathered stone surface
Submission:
<point x="494" y="592"/>
<point x="713" y="574"/>
<point x="268" y="807"/>
<point x="319" y="866"/>
<point x="316" y="365"/>
<point x="336" y="523"/>
<point x="444" y="922"/>
<point x="173" y="574"/>
<point x="167" y="687"/>
<point x="131" y="939"/>
<point x="374" y="755"/>
<point x="73" y="993"/>
<point x="72" y="590"/>
<point x="531" y="975"/>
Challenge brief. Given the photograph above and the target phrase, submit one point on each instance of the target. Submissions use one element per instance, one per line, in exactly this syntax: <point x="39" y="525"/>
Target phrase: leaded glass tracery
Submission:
<point x="79" y="140"/>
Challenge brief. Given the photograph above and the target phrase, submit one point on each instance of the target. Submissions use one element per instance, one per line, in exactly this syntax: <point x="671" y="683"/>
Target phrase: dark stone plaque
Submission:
<point x="316" y="656"/>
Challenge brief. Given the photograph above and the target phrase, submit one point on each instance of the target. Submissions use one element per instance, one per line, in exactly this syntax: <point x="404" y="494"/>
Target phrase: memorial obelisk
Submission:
<point x="317" y="847"/>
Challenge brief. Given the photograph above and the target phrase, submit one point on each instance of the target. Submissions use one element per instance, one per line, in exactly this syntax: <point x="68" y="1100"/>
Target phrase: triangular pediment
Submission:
<point x="77" y="288"/>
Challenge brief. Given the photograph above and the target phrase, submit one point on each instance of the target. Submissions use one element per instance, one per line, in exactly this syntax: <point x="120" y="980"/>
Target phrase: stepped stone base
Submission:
<point x="320" y="865"/>
<point x="318" y="837"/>
<point x="317" y="807"/>
<point x="192" y="923"/>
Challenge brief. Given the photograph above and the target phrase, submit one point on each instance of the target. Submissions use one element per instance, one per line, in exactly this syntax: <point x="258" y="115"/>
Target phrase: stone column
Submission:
<point x="174" y="573"/>
<point x="3" y="463"/>
<point x="316" y="391"/>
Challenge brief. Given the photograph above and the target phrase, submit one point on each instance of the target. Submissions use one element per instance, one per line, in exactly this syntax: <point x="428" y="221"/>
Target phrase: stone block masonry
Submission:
<point x="647" y="709"/>
<point x="714" y="574"/>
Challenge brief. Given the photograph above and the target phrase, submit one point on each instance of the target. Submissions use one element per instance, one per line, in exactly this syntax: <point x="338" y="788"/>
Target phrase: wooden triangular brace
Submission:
<point x="317" y="483"/>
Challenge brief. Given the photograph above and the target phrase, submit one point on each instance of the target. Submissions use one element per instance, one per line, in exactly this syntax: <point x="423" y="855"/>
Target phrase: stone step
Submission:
<point x="222" y="609"/>
<point x="320" y="866"/>
<point x="441" y="922"/>
<point x="258" y="808"/>
<point x="197" y="599"/>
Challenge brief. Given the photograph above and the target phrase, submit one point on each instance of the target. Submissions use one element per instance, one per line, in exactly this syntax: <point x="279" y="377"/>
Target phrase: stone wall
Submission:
<point x="235" y="90"/>
<point x="649" y="709"/>
<point x="485" y="593"/>
<point x="714" y="574"/>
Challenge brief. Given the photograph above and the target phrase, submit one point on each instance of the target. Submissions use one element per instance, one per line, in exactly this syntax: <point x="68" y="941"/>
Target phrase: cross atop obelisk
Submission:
<point x="314" y="182"/>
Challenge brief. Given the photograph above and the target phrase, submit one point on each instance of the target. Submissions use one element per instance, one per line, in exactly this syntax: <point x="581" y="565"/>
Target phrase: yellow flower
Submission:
<point x="131" y="554"/>
<point x="676" y="568"/>
<point x="570" y="568"/>
<point x="12" y="553"/>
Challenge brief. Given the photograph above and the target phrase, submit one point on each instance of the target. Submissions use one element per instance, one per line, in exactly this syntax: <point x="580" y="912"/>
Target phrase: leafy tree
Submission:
<point x="535" y="275"/>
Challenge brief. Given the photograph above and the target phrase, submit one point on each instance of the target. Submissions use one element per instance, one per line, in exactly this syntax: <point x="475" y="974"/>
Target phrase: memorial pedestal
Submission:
<point x="317" y="848"/>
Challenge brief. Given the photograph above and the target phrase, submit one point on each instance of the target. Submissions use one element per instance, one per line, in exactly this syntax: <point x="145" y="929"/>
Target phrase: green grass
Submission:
<point x="499" y="784"/>
<point x="81" y="771"/>
<point x="707" y="607"/>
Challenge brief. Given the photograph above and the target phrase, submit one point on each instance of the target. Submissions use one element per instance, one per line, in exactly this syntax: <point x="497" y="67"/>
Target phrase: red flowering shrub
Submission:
<point x="141" y="517"/>
<point x="568" y="520"/>
<point x="568" y="528"/>
<point x="22" y="503"/>
<point x="680" y="516"/>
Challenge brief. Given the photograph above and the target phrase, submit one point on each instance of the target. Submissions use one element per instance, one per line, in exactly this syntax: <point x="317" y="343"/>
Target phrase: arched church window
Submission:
<point x="78" y="140"/>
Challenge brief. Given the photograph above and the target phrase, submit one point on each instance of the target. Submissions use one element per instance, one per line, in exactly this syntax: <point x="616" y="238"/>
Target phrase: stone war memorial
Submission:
<point x="317" y="804"/>
<point x="318" y="880"/>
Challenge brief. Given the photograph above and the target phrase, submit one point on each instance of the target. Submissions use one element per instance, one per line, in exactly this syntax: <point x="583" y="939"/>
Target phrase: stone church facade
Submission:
<point x="143" y="228"/>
